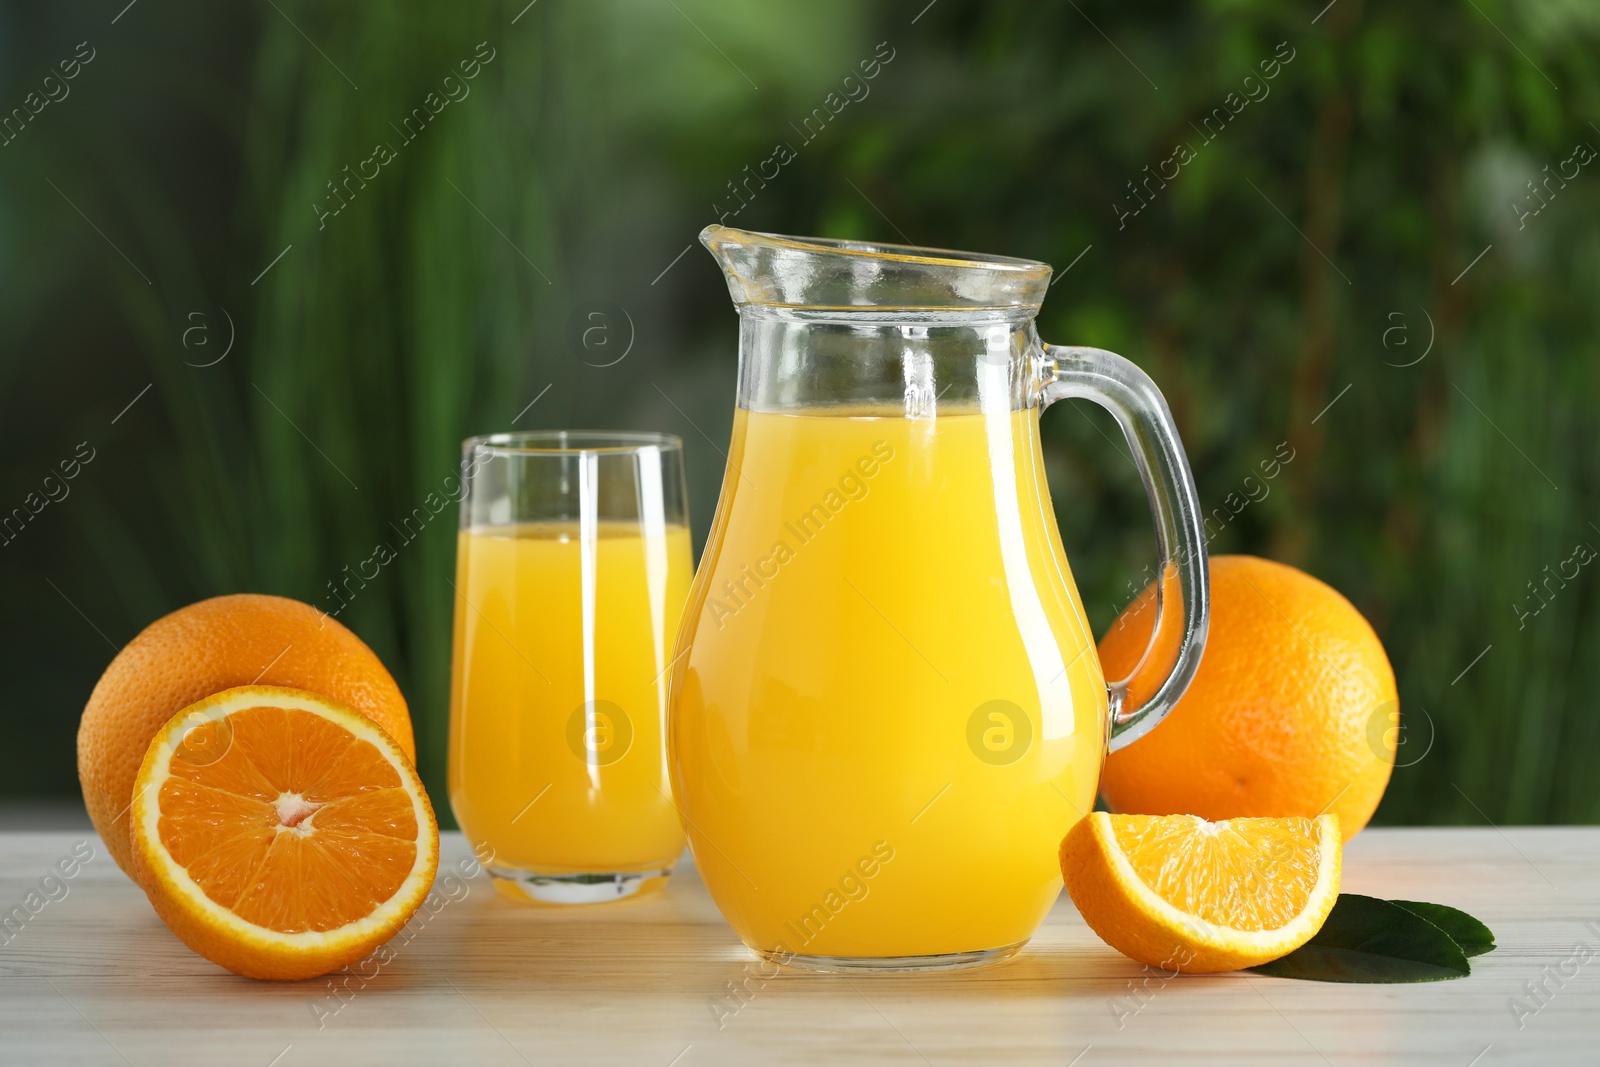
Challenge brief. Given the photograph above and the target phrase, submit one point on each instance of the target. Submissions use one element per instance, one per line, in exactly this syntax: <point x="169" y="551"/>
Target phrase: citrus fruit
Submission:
<point x="1180" y="893"/>
<point x="279" y="833"/>
<point x="1292" y="712"/>
<point x="203" y="649"/>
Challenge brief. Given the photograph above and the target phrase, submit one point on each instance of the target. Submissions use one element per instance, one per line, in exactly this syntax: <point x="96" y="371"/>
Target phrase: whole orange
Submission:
<point x="1293" y="710"/>
<point x="217" y="644"/>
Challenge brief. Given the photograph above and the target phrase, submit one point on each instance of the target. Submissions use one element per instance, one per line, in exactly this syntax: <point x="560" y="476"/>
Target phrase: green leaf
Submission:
<point x="1369" y="940"/>
<point x="1474" y="938"/>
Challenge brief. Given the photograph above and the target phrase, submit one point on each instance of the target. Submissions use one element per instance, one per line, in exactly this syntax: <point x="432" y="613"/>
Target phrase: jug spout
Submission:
<point x="764" y="269"/>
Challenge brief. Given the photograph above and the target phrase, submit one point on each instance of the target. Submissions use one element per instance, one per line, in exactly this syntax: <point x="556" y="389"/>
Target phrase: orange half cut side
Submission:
<point x="1181" y="893"/>
<point x="280" y="834"/>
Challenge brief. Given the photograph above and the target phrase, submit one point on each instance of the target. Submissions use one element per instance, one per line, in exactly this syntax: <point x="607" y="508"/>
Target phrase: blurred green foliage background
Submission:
<point x="1355" y="270"/>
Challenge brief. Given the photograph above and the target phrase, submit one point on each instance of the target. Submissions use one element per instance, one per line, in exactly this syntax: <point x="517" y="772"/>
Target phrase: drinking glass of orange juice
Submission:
<point x="572" y="567"/>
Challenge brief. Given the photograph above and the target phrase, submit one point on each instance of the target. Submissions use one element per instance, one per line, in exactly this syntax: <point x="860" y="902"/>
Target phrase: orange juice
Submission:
<point x="892" y="711"/>
<point x="562" y="649"/>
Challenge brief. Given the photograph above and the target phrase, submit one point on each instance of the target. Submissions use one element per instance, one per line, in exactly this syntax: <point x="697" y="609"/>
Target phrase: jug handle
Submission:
<point x="1140" y="701"/>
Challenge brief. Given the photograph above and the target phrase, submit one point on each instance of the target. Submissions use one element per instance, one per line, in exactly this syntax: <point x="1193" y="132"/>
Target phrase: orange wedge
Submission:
<point x="1181" y="893"/>
<point x="280" y="834"/>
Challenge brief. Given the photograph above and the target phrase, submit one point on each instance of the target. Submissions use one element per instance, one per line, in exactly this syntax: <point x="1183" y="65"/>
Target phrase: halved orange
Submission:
<point x="280" y="834"/>
<point x="1181" y="893"/>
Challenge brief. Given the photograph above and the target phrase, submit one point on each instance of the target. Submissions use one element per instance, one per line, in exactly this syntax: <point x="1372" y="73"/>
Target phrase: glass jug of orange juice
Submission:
<point x="887" y="707"/>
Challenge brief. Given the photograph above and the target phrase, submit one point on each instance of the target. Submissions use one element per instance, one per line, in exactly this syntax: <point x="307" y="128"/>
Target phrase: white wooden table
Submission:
<point x="94" y="978"/>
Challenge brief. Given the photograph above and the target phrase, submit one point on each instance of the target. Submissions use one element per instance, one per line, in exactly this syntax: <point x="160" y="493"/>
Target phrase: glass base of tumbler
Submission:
<point x="853" y="965"/>
<point x="535" y="887"/>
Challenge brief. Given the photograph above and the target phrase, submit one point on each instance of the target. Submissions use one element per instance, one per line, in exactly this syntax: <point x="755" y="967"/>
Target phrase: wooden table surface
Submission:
<point x="92" y="977"/>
